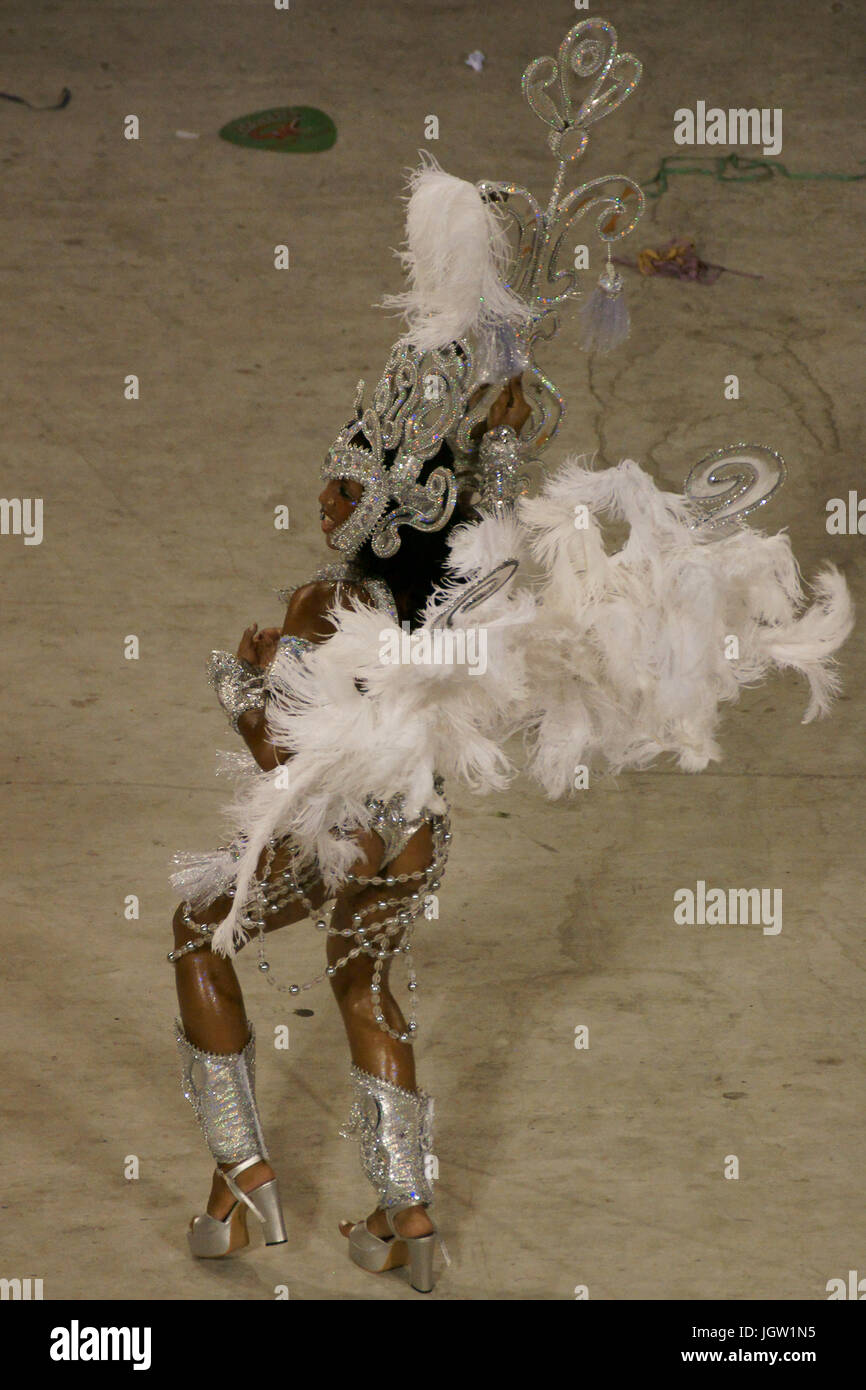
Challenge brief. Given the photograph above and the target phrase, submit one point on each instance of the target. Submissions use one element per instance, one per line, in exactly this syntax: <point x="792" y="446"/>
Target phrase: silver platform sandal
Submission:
<point x="220" y="1086"/>
<point x="394" y="1129"/>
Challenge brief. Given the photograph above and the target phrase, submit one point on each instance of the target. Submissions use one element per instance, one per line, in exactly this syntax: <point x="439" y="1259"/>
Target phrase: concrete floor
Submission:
<point x="558" y="1167"/>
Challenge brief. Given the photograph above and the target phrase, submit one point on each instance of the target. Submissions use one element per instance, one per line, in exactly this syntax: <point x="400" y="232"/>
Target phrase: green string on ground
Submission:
<point x="754" y="170"/>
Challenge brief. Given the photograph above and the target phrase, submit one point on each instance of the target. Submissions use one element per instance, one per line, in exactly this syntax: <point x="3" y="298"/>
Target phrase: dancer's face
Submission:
<point x="337" y="501"/>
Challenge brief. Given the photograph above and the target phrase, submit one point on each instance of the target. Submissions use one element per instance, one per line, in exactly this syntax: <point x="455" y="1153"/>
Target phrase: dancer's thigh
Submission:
<point x="417" y="856"/>
<point x="368" y="862"/>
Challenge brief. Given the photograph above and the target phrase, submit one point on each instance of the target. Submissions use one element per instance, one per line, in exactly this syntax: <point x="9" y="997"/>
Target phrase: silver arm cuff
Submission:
<point x="394" y="1129"/>
<point x="239" y="685"/>
<point x="499" y="459"/>
<point x="220" y="1087"/>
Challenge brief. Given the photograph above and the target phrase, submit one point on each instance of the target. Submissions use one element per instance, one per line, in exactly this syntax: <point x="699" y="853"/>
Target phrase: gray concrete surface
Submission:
<point x="559" y="1167"/>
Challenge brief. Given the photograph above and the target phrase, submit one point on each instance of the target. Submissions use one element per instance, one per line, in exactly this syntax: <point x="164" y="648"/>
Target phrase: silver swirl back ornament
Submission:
<point x="731" y="483"/>
<point x="555" y="89"/>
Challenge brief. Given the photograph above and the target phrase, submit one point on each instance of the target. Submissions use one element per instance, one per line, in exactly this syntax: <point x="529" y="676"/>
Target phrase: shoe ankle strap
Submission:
<point x="241" y="1167"/>
<point x="391" y="1212"/>
<point x="238" y="1192"/>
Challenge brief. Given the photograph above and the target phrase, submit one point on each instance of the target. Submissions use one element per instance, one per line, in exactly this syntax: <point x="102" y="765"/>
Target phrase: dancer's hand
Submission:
<point x="510" y="407"/>
<point x="259" y="647"/>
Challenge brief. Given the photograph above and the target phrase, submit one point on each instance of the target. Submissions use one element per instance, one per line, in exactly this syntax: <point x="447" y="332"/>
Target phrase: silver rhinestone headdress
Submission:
<point x="419" y="398"/>
<point x="422" y="396"/>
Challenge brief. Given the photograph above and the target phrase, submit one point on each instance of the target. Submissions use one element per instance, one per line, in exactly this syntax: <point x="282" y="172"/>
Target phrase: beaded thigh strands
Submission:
<point x="274" y="891"/>
<point x="272" y="895"/>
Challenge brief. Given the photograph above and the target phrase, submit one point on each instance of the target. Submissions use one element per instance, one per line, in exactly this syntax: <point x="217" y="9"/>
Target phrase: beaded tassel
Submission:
<point x="604" y="319"/>
<point x="271" y="896"/>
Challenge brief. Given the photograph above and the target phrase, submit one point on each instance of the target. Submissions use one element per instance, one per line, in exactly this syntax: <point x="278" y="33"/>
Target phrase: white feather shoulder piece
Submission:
<point x="607" y="658"/>
<point x="636" y="650"/>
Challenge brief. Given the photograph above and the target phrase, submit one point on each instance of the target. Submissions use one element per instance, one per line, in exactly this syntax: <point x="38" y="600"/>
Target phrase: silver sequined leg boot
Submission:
<point x="394" y="1129"/>
<point x="220" y="1086"/>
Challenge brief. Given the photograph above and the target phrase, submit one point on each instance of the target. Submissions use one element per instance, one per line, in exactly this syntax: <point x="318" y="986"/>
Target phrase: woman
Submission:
<point x="607" y="657"/>
<point x="215" y="1037"/>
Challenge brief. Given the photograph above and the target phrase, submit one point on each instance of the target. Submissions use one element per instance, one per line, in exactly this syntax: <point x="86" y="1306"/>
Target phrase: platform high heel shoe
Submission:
<point x="220" y="1086"/>
<point x="394" y="1129"/>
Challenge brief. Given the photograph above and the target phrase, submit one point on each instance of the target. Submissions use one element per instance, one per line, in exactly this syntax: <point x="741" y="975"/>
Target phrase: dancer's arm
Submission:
<point x="306" y="617"/>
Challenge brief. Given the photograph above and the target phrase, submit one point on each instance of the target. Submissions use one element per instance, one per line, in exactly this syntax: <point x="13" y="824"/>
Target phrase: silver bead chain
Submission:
<point x="271" y="898"/>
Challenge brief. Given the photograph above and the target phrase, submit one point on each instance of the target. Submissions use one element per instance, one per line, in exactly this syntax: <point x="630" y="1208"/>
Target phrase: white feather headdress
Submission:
<point x="456" y="254"/>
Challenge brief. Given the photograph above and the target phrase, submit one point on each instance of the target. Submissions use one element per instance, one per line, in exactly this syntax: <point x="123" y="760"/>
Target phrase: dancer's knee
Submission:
<point x="184" y="923"/>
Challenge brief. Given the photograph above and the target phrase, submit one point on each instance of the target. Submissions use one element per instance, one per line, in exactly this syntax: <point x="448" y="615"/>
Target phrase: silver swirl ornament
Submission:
<point x="423" y="506"/>
<point x="589" y="49"/>
<point x="733" y="482"/>
<point x="542" y="270"/>
<point x="477" y="592"/>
